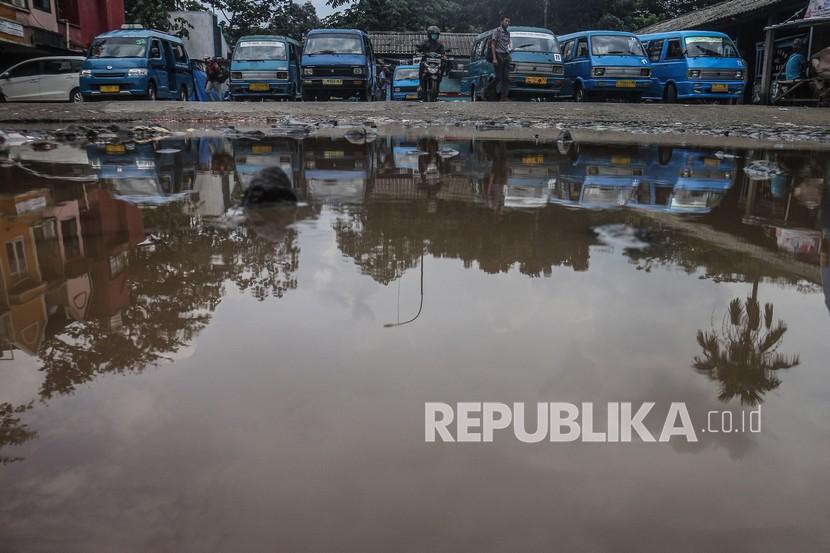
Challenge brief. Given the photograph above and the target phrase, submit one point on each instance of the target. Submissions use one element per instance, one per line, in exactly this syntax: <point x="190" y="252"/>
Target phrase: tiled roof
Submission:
<point x="710" y="15"/>
<point x="403" y="43"/>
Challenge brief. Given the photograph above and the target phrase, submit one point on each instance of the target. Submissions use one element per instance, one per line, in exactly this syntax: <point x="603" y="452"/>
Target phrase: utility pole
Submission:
<point x="545" y="25"/>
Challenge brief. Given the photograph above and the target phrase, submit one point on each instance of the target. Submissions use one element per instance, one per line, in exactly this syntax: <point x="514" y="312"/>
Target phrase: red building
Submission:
<point x="87" y="19"/>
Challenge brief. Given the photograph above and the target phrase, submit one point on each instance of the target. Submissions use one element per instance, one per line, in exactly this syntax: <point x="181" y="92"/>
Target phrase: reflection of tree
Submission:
<point x="386" y="239"/>
<point x="175" y="284"/>
<point x="12" y="431"/>
<point x="744" y="357"/>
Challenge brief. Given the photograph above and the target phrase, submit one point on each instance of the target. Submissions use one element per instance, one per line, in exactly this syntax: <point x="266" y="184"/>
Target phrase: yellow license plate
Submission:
<point x="116" y="149"/>
<point x="536" y="80"/>
<point x="533" y="160"/>
<point x="334" y="154"/>
<point x="720" y="88"/>
<point x="711" y="162"/>
<point x="411" y="96"/>
<point x="332" y="82"/>
<point x="626" y="84"/>
<point x="259" y="87"/>
<point x="109" y="88"/>
<point x="621" y="160"/>
<point x="262" y="149"/>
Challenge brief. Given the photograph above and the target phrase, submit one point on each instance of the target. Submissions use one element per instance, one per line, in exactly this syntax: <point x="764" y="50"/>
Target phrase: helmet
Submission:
<point x="433" y="30"/>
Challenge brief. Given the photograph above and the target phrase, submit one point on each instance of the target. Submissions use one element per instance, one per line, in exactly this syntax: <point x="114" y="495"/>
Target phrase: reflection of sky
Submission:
<point x="309" y="406"/>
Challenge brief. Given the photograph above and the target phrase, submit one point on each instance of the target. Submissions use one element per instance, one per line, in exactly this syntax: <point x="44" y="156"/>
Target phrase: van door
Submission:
<point x="567" y="60"/>
<point x="581" y="64"/>
<point x="184" y="74"/>
<point x="23" y="82"/>
<point x="57" y="80"/>
<point x="158" y="69"/>
<point x="654" y="51"/>
<point x="372" y="68"/>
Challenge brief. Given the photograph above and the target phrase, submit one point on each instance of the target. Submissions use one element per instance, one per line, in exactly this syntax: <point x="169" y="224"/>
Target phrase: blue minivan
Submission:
<point x="339" y="63"/>
<point x="265" y="67"/>
<point x="537" y="70"/>
<point x="405" y="83"/>
<point x="694" y="65"/>
<point x="604" y="64"/>
<point x="134" y="62"/>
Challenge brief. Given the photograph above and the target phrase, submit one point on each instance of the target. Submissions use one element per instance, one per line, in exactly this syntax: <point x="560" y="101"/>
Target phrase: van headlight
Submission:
<point x="598" y="71"/>
<point x="739" y="74"/>
<point x="308" y="71"/>
<point x="137" y="72"/>
<point x="359" y="71"/>
<point x="86" y="73"/>
<point x="694" y="73"/>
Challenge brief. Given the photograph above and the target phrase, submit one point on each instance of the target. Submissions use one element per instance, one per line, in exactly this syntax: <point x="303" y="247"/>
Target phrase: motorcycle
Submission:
<point x="432" y="64"/>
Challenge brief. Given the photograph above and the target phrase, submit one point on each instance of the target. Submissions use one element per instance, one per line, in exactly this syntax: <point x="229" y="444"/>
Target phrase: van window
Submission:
<point x="710" y="46"/>
<point x="616" y="45"/>
<point x="655" y="50"/>
<point x="568" y="51"/>
<point x="57" y="67"/>
<point x="582" y="48"/>
<point x="534" y="42"/>
<point x="333" y="44"/>
<point x="675" y="51"/>
<point x="260" y="50"/>
<point x="77" y="65"/>
<point x="26" y="70"/>
<point x="155" y="50"/>
<point x="119" y="47"/>
<point x="179" y="53"/>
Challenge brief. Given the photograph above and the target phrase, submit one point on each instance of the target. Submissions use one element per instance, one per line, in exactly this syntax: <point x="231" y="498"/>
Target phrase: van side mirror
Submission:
<point x="5" y="75"/>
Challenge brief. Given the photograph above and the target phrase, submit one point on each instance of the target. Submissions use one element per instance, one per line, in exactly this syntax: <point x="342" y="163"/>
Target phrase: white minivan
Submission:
<point x="53" y="79"/>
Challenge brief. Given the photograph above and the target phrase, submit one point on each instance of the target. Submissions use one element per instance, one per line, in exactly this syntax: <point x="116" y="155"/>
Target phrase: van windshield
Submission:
<point x="119" y="47"/>
<point x="710" y="46"/>
<point x="334" y="44"/>
<point x="406" y="74"/>
<point x="616" y="45"/>
<point x="534" y="42"/>
<point x="263" y="50"/>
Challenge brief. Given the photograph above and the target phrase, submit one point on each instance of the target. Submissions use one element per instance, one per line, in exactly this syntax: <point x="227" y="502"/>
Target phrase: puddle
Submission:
<point x="179" y="369"/>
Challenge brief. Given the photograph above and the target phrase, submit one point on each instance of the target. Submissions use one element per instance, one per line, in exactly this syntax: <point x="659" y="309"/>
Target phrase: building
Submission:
<point x="205" y="38"/>
<point x="397" y="48"/>
<point x="33" y="28"/>
<point x="746" y="22"/>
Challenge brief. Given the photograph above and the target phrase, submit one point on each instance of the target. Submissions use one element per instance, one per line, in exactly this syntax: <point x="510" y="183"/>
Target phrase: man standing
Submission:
<point x="502" y="46"/>
<point x="796" y="63"/>
<point x="214" y="81"/>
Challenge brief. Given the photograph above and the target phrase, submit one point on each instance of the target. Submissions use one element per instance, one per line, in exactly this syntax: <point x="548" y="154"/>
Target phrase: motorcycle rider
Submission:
<point x="431" y="45"/>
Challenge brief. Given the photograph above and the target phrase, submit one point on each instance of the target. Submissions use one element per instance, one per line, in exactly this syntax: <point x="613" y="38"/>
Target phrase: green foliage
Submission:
<point x="153" y="14"/>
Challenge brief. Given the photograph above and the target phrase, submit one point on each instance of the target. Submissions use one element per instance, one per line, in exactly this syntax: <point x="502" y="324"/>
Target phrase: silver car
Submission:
<point x="53" y="79"/>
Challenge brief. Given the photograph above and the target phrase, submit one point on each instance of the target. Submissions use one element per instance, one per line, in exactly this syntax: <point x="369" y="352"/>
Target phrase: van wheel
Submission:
<point x="580" y="94"/>
<point x="151" y="92"/>
<point x="183" y="96"/>
<point x="75" y="96"/>
<point x="670" y="96"/>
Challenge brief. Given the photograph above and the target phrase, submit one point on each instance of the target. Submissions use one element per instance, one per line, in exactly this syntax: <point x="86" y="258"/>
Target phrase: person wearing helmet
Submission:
<point x="431" y="44"/>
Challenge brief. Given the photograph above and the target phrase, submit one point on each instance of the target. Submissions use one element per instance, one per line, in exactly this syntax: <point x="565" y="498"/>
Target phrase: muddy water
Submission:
<point x="180" y="375"/>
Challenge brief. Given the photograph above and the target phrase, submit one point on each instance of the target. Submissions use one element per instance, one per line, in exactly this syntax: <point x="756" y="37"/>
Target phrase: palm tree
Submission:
<point x="744" y="357"/>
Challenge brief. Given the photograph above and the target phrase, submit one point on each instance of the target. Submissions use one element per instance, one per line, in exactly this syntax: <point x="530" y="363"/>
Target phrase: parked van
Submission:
<point x="53" y="79"/>
<point x="137" y="63"/>
<point x="405" y="83"/>
<point x="537" y="70"/>
<point x="339" y="63"/>
<point x="604" y="64"/>
<point x="265" y="67"/>
<point x="694" y="65"/>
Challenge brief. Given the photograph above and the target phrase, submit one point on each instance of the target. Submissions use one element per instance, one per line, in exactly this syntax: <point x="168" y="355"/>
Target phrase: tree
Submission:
<point x="154" y="14"/>
<point x="283" y="17"/>
<point x="744" y="357"/>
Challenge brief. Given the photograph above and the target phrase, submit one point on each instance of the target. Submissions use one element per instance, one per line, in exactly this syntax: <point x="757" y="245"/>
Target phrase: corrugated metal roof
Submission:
<point x="387" y="43"/>
<point x="710" y="15"/>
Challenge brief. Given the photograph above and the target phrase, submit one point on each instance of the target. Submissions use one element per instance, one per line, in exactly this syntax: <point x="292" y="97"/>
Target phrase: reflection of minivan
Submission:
<point x="265" y="67"/>
<point x="604" y="64"/>
<point x="339" y="63"/>
<point x="537" y="69"/>
<point x="42" y="80"/>
<point x="694" y="65"/>
<point x="137" y="63"/>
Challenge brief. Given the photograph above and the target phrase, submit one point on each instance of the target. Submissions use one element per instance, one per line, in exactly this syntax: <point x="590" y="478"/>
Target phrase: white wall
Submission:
<point x="200" y="43"/>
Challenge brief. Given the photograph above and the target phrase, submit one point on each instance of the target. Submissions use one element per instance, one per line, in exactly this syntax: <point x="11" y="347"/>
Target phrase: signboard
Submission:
<point x="11" y="28"/>
<point x="33" y="204"/>
<point x="818" y="8"/>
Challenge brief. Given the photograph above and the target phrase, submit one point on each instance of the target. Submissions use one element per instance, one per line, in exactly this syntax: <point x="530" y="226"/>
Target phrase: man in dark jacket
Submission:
<point x="430" y="45"/>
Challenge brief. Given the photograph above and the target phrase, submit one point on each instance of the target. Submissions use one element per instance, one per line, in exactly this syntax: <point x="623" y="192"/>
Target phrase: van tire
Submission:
<point x="75" y="96"/>
<point x="183" y="96"/>
<point x="152" y="94"/>
<point x="670" y="96"/>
